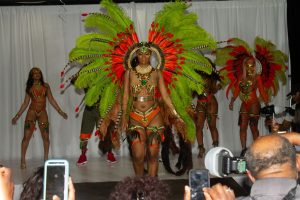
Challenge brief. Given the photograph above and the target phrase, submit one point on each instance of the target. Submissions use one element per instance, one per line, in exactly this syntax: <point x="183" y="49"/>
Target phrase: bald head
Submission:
<point x="270" y="154"/>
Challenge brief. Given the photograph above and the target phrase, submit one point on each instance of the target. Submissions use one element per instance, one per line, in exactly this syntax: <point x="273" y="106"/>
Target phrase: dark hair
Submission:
<point x="33" y="186"/>
<point x="30" y="80"/>
<point x="144" y="187"/>
<point x="259" y="161"/>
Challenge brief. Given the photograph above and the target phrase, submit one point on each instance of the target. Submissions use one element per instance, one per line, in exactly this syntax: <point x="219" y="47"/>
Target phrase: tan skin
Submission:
<point x="207" y="112"/>
<point x="252" y="108"/>
<point x="6" y="184"/>
<point x="140" y="149"/>
<point x="37" y="113"/>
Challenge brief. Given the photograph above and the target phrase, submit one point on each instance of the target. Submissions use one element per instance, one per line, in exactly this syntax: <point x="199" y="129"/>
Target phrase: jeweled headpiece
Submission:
<point x="143" y="47"/>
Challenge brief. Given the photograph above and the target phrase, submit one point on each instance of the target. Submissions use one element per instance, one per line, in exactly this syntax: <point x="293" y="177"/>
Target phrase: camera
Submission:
<point x="268" y="111"/>
<point x="221" y="162"/>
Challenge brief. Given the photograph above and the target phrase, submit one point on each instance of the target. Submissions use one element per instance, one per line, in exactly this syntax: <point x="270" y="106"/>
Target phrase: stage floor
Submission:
<point x="97" y="169"/>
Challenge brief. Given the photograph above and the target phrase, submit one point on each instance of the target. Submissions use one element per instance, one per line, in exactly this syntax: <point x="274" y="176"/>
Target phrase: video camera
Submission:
<point x="221" y="162"/>
<point x="271" y="109"/>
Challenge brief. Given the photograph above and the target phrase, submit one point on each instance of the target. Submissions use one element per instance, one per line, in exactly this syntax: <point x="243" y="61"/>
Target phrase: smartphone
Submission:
<point x="56" y="176"/>
<point x="198" y="179"/>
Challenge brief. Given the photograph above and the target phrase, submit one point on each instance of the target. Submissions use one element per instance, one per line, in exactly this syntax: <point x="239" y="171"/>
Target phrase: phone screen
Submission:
<point x="198" y="179"/>
<point x="55" y="179"/>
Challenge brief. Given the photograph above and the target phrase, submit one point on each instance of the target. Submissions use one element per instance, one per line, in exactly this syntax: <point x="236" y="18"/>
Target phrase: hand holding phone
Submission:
<point x="198" y="179"/>
<point x="56" y="176"/>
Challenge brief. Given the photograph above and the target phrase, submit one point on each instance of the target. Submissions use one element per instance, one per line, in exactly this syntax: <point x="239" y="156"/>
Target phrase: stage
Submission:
<point x="97" y="178"/>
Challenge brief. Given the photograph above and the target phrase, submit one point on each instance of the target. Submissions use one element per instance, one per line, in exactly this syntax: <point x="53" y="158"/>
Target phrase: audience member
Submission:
<point x="6" y="184"/>
<point x="292" y="118"/>
<point x="272" y="167"/>
<point x="140" y="187"/>
<point x="33" y="187"/>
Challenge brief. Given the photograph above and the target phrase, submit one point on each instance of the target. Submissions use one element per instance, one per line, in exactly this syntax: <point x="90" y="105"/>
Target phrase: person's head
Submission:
<point x="249" y="66"/>
<point x="271" y="156"/>
<point x="294" y="94"/>
<point x="33" y="186"/>
<point x="137" y="188"/>
<point x="143" y="53"/>
<point x="35" y="75"/>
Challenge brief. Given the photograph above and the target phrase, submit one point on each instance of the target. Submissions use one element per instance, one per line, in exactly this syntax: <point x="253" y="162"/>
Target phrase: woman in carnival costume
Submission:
<point x="117" y="68"/>
<point x="245" y="72"/>
<point x="37" y="91"/>
<point x="207" y="110"/>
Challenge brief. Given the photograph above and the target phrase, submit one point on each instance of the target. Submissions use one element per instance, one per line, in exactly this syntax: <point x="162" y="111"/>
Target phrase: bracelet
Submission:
<point x="175" y="113"/>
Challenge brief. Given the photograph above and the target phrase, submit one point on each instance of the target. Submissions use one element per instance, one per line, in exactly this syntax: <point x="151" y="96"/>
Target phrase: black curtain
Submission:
<point x="294" y="34"/>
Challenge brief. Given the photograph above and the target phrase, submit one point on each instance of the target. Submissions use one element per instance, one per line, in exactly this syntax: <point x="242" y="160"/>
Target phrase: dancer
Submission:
<point x="37" y="91"/>
<point x="90" y="120"/>
<point x="246" y="73"/>
<point x="146" y="127"/>
<point x="207" y="110"/>
<point x="115" y="62"/>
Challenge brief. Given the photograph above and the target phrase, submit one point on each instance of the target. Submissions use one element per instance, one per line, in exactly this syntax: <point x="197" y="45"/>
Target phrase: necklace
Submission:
<point x="143" y="74"/>
<point x="143" y="70"/>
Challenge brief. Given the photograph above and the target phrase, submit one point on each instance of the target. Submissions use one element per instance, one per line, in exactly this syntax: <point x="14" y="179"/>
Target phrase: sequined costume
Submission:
<point x="109" y="58"/>
<point x="245" y="71"/>
<point x="37" y="92"/>
<point x="207" y="110"/>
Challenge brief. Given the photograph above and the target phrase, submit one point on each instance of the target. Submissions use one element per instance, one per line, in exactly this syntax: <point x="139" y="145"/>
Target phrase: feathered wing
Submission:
<point x="176" y="33"/>
<point x="100" y="55"/>
<point x="231" y="58"/>
<point x="273" y="63"/>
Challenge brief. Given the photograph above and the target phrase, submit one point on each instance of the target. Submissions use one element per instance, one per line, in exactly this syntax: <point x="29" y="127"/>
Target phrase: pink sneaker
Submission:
<point x="82" y="160"/>
<point x="111" y="157"/>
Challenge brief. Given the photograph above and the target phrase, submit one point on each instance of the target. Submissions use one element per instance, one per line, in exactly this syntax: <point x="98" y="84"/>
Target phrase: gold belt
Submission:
<point x="147" y="111"/>
<point x="143" y="99"/>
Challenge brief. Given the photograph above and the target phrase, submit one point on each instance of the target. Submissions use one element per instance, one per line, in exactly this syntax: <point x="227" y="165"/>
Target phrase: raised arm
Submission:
<point x="54" y="103"/>
<point x="22" y="109"/>
<point x="125" y="100"/>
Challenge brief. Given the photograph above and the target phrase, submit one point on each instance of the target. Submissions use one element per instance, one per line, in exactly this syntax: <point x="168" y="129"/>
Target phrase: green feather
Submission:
<point x="108" y="98"/>
<point x="88" y="41"/>
<point x="240" y="42"/>
<point x="116" y="13"/>
<point x="94" y="92"/>
<point x="103" y="24"/>
<point x="181" y="109"/>
<point x="83" y="55"/>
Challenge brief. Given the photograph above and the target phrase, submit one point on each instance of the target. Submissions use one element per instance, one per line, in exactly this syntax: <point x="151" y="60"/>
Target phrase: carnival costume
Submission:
<point x="37" y="108"/>
<point x="207" y="110"/>
<point x="244" y="77"/>
<point x="174" y="38"/>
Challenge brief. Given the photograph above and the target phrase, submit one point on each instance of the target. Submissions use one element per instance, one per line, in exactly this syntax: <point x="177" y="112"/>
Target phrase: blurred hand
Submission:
<point x="71" y="195"/>
<point x="64" y="115"/>
<point x="14" y="120"/>
<point x="187" y="193"/>
<point x="6" y="184"/>
<point x="231" y="106"/>
<point x="218" y="192"/>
